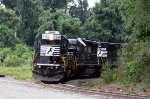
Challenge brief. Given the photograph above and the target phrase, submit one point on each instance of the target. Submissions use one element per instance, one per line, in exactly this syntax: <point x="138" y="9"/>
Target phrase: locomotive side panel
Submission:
<point x="87" y="60"/>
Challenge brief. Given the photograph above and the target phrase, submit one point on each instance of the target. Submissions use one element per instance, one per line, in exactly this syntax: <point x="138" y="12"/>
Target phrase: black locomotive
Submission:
<point x="58" y="56"/>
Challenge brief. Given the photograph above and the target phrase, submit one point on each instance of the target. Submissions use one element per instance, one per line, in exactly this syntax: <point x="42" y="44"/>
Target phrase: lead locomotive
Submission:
<point x="58" y="57"/>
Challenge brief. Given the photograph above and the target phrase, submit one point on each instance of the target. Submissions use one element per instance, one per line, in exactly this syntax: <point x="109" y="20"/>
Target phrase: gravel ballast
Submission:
<point x="14" y="89"/>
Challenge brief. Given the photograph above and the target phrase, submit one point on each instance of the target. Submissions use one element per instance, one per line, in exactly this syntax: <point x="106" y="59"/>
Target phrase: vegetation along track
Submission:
<point x="67" y="87"/>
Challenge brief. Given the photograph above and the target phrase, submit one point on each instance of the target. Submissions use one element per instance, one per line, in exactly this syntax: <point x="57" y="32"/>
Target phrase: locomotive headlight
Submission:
<point x="39" y="66"/>
<point x="51" y="37"/>
<point x="56" y="67"/>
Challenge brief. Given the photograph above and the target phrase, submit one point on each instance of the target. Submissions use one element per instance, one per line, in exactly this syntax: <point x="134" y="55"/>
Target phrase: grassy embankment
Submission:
<point x="133" y="70"/>
<point x="17" y="62"/>
<point x="21" y="73"/>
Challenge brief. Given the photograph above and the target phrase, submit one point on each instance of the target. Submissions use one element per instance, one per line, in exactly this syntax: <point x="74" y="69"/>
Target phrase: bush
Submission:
<point x="109" y="72"/>
<point x="109" y="75"/>
<point x="7" y="38"/>
<point x="13" y="60"/>
<point x="21" y="49"/>
<point x="20" y="55"/>
<point x="4" y="52"/>
<point x="134" y="65"/>
<point x="135" y="62"/>
<point x="22" y="73"/>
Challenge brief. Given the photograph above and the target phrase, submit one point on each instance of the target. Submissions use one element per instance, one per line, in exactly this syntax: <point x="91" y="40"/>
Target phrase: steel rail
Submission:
<point x="89" y="91"/>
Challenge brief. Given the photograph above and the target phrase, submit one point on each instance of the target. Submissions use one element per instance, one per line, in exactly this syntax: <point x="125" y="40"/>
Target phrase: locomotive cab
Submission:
<point x="47" y="65"/>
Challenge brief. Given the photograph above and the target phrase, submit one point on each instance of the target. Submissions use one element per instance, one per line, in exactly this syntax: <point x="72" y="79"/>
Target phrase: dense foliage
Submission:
<point x="8" y="26"/>
<point x="19" y="56"/>
<point x="60" y="21"/>
<point x="136" y="15"/>
<point x="106" y="23"/>
<point x="71" y="17"/>
<point x="135" y="61"/>
<point x="134" y="56"/>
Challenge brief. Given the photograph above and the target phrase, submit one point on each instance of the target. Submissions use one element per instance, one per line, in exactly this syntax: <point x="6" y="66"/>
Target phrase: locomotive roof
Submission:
<point x="110" y="43"/>
<point x="52" y="32"/>
<point x="90" y="41"/>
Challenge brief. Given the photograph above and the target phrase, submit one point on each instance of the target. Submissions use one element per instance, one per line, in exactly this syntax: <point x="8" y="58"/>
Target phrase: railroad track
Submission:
<point x="114" y="95"/>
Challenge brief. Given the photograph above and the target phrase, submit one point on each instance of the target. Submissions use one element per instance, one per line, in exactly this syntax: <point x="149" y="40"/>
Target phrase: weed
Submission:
<point x="21" y="73"/>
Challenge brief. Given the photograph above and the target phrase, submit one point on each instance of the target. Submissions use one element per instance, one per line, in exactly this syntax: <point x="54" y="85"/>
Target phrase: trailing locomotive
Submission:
<point x="58" y="57"/>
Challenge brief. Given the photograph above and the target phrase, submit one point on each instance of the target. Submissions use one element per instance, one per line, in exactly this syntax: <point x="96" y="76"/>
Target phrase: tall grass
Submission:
<point x="134" y="65"/>
<point x="21" y="73"/>
<point x="17" y="62"/>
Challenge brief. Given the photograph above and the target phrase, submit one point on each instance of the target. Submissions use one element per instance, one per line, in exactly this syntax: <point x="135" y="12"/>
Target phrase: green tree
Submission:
<point x="8" y="26"/>
<point x="7" y="37"/>
<point x="53" y="5"/>
<point x="106" y="22"/>
<point x="30" y="10"/>
<point x="90" y="29"/>
<point x="12" y="4"/>
<point x="136" y="15"/>
<point x="9" y="3"/>
<point x="81" y="11"/>
<point x="59" y="21"/>
<point x="135" y="56"/>
<point x="8" y="18"/>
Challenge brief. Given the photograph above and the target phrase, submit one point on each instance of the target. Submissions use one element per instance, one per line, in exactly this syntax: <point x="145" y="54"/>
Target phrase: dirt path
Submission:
<point x="14" y="89"/>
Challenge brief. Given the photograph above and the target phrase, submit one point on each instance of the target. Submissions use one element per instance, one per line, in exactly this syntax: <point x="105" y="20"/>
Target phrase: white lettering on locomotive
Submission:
<point x="102" y="52"/>
<point x="49" y="51"/>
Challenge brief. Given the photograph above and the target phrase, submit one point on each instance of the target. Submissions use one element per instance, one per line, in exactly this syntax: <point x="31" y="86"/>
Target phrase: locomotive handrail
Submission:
<point x="75" y="63"/>
<point x="34" y="56"/>
<point x="64" y="61"/>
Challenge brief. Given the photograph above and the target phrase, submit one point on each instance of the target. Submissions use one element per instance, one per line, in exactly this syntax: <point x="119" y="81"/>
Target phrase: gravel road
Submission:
<point x="14" y="89"/>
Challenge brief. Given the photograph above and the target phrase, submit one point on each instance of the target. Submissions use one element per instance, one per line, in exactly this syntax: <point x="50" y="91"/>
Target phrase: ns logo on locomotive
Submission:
<point x="58" y="57"/>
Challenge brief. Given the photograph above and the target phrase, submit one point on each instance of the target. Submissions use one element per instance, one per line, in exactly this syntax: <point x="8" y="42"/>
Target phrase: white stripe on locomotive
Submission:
<point x="49" y="50"/>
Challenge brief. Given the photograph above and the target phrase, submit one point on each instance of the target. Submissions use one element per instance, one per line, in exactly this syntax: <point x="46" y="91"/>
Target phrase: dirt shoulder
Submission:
<point x="15" y="89"/>
<point x="96" y="83"/>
